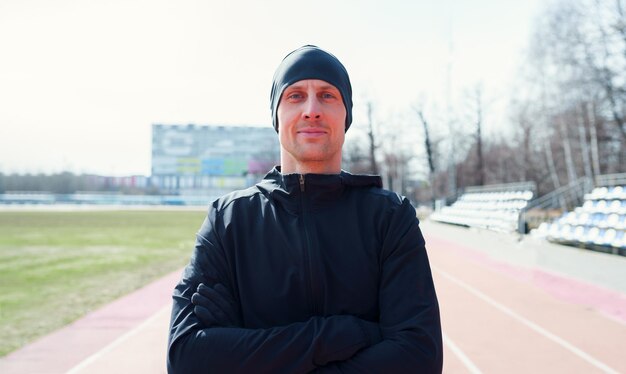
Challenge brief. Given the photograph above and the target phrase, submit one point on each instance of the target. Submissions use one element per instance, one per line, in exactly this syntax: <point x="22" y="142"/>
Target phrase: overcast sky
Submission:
<point x="81" y="82"/>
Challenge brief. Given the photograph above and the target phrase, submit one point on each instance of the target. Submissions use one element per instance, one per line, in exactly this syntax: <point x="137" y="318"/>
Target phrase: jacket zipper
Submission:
<point x="307" y="248"/>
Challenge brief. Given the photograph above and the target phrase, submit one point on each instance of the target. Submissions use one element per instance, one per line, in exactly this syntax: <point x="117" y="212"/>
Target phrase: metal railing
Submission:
<point x="610" y="180"/>
<point x="572" y="195"/>
<point x="565" y="197"/>
<point x="519" y="186"/>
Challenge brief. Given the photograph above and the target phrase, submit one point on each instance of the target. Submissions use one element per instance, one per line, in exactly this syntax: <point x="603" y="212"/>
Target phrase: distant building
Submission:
<point x="211" y="160"/>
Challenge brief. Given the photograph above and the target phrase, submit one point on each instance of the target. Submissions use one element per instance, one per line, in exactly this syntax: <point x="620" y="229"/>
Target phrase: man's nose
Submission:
<point x="312" y="108"/>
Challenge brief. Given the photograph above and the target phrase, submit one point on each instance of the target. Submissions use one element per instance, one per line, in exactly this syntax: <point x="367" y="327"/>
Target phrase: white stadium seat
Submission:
<point x="580" y="233"/>
<point x="600" y="221"/>
<point x="599" y="193"/>
<point x="491" y="210"/>
<point x="620" y="240"/>
<point x="588" y="206"/>
<point x="591" y="235"/>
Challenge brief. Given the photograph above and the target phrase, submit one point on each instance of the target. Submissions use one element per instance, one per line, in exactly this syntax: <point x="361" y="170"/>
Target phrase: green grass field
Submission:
<point x="57" y="266"/>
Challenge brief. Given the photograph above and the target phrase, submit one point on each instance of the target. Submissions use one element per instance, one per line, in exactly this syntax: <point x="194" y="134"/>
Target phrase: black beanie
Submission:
<point x="311" y="62"/>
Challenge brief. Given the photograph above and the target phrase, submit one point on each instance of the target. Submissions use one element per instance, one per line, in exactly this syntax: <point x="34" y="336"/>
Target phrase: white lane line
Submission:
<point x="577" y="351"/>
<point x="89" y="360"/>
<point x="461" y="355"/>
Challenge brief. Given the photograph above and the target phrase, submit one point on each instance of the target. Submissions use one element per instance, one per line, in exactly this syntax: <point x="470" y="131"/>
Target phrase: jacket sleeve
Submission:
<point x="409" y="311"/>
<point x="295" y="348"/>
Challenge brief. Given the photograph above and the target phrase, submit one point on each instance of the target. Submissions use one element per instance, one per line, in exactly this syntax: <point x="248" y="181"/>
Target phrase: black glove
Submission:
<point x="214" y="306"/>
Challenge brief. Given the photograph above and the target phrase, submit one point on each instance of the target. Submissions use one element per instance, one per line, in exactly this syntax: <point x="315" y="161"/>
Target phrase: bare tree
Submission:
<point x="595" y="159"/>
<point x="574" y="89"/>
<point x="372" y="141"/>
<point x="584" y="144"/>
<point x="476" y="105"/>
<point x="429" y="154"/>
<point x="567" y="148"/>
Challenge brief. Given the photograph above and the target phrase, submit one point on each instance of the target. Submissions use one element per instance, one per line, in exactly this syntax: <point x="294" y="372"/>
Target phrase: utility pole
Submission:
<point x="452" y="144"/>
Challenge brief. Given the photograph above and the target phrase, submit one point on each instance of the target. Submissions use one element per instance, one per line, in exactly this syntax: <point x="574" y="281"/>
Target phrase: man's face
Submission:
<point x="311" y="124"/>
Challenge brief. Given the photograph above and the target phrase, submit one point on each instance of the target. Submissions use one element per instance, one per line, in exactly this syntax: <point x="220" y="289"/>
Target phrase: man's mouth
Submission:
<point x="312" y="131"/>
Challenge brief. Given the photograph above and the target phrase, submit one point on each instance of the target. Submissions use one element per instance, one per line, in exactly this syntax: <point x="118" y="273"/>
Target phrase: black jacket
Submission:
<point x="329" y="272"/>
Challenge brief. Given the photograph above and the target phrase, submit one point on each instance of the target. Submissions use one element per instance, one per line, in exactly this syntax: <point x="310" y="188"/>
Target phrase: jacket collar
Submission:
<point x="319" y="189"/>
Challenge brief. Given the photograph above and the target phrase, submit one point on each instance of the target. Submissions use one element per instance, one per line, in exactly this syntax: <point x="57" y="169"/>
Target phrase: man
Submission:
<point x="313" y="269"/>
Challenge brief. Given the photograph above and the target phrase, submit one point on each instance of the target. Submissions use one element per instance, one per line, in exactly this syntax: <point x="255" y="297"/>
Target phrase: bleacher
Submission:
<point x="600" y="223"/>
<point x="495" y="207"/>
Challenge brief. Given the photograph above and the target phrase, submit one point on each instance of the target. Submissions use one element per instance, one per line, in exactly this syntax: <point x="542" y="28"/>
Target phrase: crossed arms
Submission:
<point x="206" y="333"/>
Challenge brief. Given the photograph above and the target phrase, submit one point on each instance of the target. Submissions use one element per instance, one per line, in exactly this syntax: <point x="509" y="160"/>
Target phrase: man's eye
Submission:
<point x="294" y="96"/>
<point x="328" y="95"/>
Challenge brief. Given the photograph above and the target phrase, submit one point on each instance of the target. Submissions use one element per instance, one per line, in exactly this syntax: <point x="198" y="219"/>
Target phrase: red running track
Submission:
<point x="498" y="316"/>
<point x="502" y="318"/>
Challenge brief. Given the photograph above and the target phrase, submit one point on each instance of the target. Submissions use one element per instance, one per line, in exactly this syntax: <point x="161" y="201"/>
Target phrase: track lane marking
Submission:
<point x="560" y="341"/>
<point x="461" y="355"/>
<point x="89" y="360"/>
